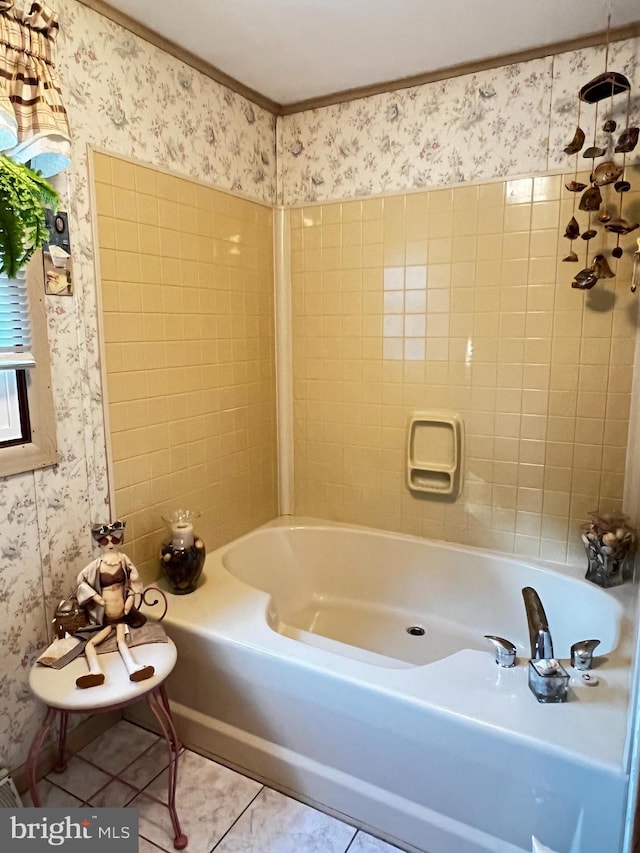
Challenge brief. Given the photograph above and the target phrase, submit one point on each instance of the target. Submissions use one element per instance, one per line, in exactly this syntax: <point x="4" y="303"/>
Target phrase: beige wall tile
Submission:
<point x="176" y="314"/>
<point x="446" y="299"/>
<point x="473" y="311"/>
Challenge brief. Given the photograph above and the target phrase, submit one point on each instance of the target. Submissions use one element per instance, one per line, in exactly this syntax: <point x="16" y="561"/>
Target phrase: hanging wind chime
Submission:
<point x="597" y="200"/>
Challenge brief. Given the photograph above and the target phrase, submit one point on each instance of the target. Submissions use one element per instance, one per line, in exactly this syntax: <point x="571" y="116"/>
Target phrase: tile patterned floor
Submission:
<point x="220" y="810"/>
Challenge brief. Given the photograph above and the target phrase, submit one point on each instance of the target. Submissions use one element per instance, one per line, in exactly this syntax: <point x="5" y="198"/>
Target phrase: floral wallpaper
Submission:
<point x="570" y="72"/>
<point x="507" y="121"/>
<point x="127" y="96"/>
<point x="439" y="133"/>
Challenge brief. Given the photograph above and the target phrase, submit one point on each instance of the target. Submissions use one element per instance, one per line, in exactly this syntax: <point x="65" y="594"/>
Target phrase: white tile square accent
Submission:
<point x="415" y="301"/>
<point x="416" y="278"/>
<point x="394" y="302"/>
<point x="414" y="325"/>
<point x="414" y="349"/>
<point x="394" y="278"/>
<point x="392" y="325"/>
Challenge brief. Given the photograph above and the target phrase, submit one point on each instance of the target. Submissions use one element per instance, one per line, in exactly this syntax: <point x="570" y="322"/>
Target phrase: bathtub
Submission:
<point x="349" y="667"/>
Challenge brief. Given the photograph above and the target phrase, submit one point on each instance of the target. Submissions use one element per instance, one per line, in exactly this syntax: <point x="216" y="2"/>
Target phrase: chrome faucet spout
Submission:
<point x="539" y="633"/>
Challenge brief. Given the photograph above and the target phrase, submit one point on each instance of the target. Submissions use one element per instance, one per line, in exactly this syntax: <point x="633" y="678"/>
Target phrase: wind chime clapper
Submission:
<point x="605" y="174"/>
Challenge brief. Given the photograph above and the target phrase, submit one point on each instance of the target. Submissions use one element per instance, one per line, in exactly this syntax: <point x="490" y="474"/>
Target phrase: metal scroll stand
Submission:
<point x="57" y="689"/>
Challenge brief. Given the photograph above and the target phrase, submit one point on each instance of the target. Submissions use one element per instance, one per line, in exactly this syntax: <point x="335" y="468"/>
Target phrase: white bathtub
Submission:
<point x="294" y="663"/>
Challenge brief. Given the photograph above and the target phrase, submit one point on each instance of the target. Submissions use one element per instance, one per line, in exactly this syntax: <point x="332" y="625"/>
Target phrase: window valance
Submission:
<point x="33" y="120"/>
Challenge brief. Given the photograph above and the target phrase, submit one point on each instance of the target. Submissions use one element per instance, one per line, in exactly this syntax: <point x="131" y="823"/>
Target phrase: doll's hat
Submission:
<point x="106" y="529"/>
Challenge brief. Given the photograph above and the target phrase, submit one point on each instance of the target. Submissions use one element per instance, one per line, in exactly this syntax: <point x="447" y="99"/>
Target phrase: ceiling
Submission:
<point x="293" y="50"/>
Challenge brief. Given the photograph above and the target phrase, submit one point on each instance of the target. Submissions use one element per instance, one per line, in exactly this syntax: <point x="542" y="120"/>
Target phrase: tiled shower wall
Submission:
<point x="187" y="296"/>
<point x="457" y="299"/>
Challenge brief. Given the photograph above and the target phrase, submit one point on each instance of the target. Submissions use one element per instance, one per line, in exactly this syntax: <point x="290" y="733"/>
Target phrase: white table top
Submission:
<point x="57" y="687"/>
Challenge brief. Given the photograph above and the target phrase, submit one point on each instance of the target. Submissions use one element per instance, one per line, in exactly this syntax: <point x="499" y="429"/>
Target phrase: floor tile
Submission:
<point x="274" y="823"/>
<point x="114" y="749"/>
<point x="209" y="798"/>
<point x="145" y="768"/>
<point x="148" y="847"/>
<point x="51" y="797"/>
<point x="115" y="795"/>
<point x="364" y="843"/>
<point x="80" y="779"/>
<point x="217" y="807"/>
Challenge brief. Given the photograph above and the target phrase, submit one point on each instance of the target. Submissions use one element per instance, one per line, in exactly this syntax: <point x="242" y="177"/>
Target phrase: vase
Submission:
<point x="609" y="543"/>
<point x="183" y="552"/>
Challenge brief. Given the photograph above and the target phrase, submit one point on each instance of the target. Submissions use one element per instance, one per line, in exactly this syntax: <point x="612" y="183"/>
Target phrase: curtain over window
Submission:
<point x="33" y="120"/>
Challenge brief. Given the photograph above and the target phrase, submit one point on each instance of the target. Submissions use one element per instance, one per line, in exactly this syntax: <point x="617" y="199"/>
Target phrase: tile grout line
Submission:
<point x="139" y="792"/>
<point x="64" y="791"/>
<point x="248" y="806"/>
<point x="153" y="844"/>
<point x="112" y="777"/>
<point x="353" y="838"/>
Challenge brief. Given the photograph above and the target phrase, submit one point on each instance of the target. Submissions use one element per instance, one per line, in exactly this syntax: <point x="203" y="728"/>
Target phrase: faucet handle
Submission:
<point x="505" y="650"/>
<point x="582" y="653"/>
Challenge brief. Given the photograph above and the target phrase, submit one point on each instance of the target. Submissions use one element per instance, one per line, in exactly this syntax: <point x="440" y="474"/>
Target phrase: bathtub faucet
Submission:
<point x="539" y="633"/>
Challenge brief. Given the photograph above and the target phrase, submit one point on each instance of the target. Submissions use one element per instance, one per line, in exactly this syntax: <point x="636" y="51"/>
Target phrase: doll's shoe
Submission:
<point x="92" y="679"/>
<point x="142" y="674"/>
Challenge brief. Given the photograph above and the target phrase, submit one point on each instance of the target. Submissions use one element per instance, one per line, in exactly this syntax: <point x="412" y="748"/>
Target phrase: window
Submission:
<point x="15" y="427"/>
<point x="27" y="419"/>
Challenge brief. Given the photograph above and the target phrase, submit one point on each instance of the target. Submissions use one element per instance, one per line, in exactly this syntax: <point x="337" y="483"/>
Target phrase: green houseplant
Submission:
<point x="24" y="197"/>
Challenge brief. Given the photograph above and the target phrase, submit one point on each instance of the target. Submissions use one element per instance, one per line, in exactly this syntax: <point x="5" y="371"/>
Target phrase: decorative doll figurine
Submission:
<point x="107" y="587"/>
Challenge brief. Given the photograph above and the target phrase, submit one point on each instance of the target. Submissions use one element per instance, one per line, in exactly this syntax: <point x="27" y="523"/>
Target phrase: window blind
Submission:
<point x="15" y="326"/>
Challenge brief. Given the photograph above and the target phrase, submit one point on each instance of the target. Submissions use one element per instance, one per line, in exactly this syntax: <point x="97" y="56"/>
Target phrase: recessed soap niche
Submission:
<point x="435" y="453"/>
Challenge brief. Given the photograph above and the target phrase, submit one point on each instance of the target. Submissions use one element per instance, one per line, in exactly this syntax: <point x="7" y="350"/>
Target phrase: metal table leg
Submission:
<point x="34" y="753"/>
<point x="159" y="705"/>
<point x="61" y="762"/>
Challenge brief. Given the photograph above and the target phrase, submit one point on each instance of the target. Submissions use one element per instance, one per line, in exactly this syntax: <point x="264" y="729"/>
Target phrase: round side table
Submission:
<point x="57" y="689"/>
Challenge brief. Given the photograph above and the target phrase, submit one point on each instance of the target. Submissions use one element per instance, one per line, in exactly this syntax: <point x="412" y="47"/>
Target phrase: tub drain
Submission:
<point x="415" y="631"/>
